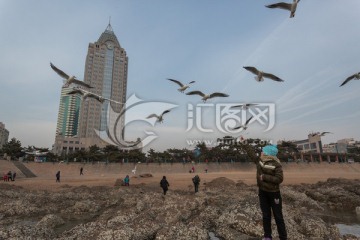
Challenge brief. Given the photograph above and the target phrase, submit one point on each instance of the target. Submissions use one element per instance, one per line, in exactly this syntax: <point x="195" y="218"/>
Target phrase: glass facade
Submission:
<point x="107" y="86"/>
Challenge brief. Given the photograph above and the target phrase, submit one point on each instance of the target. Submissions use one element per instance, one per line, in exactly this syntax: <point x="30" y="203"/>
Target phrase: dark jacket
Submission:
<point x="271" y="170"/>
<point x="196" y="179"/>
<point x="164" y="183"/>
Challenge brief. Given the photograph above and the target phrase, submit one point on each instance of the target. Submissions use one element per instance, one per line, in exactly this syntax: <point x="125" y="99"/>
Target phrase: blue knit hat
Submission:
<point x="270" y="150"/>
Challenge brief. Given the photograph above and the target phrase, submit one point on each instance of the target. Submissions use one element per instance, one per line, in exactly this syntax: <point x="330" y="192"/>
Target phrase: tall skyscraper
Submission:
<point x="106" y="70"/>
<point x="69" y="112"/>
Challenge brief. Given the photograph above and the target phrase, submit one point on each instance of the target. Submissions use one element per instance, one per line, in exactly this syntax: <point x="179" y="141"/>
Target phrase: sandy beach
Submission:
<point x="101" y="174"/>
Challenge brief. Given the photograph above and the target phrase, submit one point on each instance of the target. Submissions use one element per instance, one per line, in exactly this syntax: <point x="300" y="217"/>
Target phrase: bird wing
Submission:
<point x="217" y="94"/>
<point x="75" y="91"/>
<point x="81" y="83"/>
<point x="237" y="127"/>
<point x="166" y="111"/>
<point x="153" y="115"/>
<point x="94" y="96"/>
<point x="253" y="70"/>
<point x="241" y="105"/>
<point x="273" y="77"/>
<point x="247" y="121"/>
<point x="196" y="93"/>
<point x="282" y="5"/>
<point x="323" y="133"/>
<point x="250" y="104"/>
<point x="176" y="81"/>
<point x="348" y="79"/>
<point x="191" y="82"/>
<point x="58" y="71"/>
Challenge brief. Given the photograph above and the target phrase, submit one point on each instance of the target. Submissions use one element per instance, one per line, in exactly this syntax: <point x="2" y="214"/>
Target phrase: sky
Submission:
<point x="206" y="41"/>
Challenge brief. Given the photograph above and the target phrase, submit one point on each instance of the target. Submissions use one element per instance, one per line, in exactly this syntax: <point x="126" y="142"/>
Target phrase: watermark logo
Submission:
<point x="227" y="118"/>
<point x="135" y="109"/>
<point x="228" y="141"/>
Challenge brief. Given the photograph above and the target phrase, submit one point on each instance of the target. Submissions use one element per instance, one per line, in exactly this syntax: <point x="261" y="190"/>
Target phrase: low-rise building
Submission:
<point x="310" y="145"/>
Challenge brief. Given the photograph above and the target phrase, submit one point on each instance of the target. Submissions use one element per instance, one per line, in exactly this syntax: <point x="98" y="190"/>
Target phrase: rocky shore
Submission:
<point x="226" y="208"/>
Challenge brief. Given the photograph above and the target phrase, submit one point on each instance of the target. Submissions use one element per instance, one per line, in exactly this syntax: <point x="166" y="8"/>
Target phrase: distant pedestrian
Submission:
<point x="9" y="175"/>
<point x="164" y="184"/>
<point x="81" y="171"/>
<point x="206" y="170"/>
<point x="127" y="181"/>
<point x="196" y="181"/>
<point x="58" y="176"/>
<point x="13" y="176"/>
<point x="193" y="169"/>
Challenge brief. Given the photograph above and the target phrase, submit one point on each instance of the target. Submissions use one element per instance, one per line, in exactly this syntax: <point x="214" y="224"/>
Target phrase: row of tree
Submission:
<point x="228" y="149"/>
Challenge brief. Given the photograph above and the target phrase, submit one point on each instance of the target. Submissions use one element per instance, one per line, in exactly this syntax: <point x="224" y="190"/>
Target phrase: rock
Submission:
<point x="228" y="209"/>
<point x="50" y="221"/>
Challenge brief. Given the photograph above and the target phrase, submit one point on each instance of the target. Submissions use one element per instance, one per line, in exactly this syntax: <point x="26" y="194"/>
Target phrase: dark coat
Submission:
<point x="164" y="183"/>
<point x="271" y="170"/>
<point x="196" y="180"/>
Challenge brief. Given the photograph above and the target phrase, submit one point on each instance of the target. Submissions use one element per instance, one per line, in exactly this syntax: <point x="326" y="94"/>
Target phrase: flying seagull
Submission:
<point x="286" y="6"/>
<point x="324" y="133"/>
<point x="261" y="75"/>
<point x="134" y="170"/>
<point x="356" y="76"/>
<point x="159" y="118"/>
<point x="245" y="106"/>
<point x="69" y="79"/>
<point x="245" y="125"/>
<point x="86" y="94"/>
<point x="320" y="134"/>
<point x="182" y="86"/>
<point x="207" y="96"/>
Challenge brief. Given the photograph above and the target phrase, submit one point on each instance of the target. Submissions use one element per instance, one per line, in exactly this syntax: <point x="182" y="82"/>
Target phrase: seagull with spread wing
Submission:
<point x="69" y="79"/>
<point x="356" y="76"/>
<point x="207" y="96"/>
<point x="320" y="134"/>
<point x="159" y="118"/>
<point x="183" y="87"/>
<point x="286" y="6"/>
<point x="245" y="106"/>
<point x="86" y="94"/>
<point x="260" y="75"/>
<point x="245" y="125"/>
<point x="324" y="133"/>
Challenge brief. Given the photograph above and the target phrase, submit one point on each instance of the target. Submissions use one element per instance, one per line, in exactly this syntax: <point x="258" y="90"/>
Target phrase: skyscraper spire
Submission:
<point x="109" y="28"/>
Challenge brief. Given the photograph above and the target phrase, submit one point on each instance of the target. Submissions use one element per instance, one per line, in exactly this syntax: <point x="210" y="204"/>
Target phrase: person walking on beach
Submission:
<point x="269" y="175"/>
<point x="164" y="184"/>
<point x="58" y="176"/>
<point x="196" y="181"/>
<point x="81" y="171"/>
